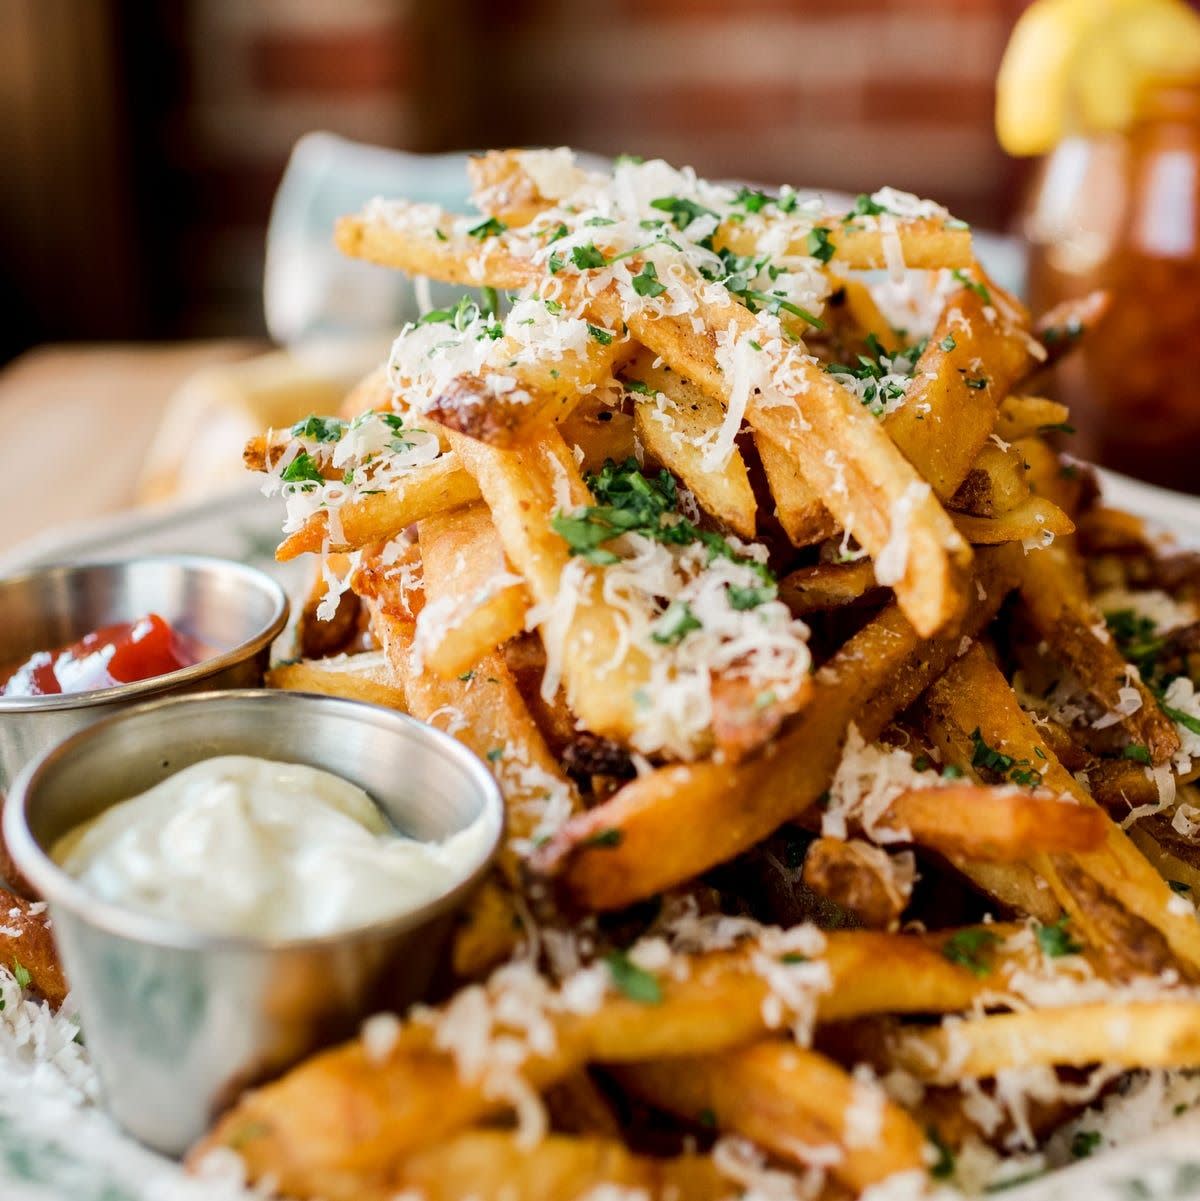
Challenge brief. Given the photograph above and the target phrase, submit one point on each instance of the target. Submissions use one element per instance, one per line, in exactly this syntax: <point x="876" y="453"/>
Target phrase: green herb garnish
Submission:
<point x="636" y="984"/>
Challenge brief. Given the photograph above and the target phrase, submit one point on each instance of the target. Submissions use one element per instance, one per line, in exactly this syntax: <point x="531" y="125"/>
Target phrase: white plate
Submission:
<point x="52" y="1148"/>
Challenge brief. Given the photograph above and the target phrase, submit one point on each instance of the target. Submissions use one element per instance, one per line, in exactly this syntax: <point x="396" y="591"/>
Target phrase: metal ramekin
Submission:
<point x="236" y="610"/>
<point x="179" y="1021"/>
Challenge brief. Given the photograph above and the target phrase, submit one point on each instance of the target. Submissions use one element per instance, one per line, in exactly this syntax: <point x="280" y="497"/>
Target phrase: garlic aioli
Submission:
<point x="239" y="845"/>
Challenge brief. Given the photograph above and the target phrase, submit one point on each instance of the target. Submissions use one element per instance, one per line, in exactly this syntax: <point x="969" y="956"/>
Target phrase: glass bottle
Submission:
<point x="1122" y="212"/>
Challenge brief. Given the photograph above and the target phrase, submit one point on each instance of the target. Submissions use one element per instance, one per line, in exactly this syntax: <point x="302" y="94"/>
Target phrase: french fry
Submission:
<point x="1024" y="416"/>
<point x="827" y="586"/>
<point x="994" y="485"/>
<point x="783" y="1097"/>
<point x="999" y="826"/>
<point x="363" y="677"/>
<point x="494" y="1165"/>
<point x="479" y="603"/>
<point x="502" y="187"/>
<point x="1035" y="520"/>
<point x="600" y="432"/>
<point x="798" y="506"/>
<point x="315" y="638"/>
<point x="27" y="946"/>
<point x="676" y="822"/>
<point x="950" y="409"/>
<point x="1142" y="1034"/>
<point x="859" y="878"/>
<point x="972" y="706"/>
<point x="673" y="423"/>
<point x="1054" y="595"/>
<point x="1060" y="329"/>
<point x="344" y="1114"/>
<point x="379" y="516"/>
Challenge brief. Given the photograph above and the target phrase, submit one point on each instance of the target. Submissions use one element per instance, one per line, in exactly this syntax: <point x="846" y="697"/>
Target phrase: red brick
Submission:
<point x="349" y="61"/>
<point x="939" y="102"/>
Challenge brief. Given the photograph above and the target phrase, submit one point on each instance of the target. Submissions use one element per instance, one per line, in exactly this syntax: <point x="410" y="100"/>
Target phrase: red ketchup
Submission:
<point x="117" y="654"/>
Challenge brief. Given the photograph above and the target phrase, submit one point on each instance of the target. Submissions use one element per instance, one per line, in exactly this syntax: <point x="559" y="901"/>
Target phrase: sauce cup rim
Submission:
<point x="58" y="887"/>
<point x="173" y="679"/>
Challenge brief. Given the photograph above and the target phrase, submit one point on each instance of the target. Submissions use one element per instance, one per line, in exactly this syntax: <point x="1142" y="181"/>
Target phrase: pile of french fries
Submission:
<point x="846" y="736"/>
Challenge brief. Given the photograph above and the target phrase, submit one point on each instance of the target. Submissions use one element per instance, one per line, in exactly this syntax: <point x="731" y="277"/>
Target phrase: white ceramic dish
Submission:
<point x="56" y="1146"/>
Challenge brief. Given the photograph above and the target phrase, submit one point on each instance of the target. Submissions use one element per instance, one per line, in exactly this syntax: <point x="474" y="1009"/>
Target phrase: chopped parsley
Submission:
<point x="610" y="837"/>
<point x="1059" y="427"/>
<point x="491" y="227"/>
<point x="495" y="754"/>
<point x="640" y="387"/>
<point x="943" y="1166"/>
<point x="302" y="470"/>
<point x="864" y="206"/>
<point x="736" y="274"/>
<point x="948" y="343"/>
<point x="989" y="759"/>
<point x="976" y="382"/>
<point x="467" y="676"/>
<point x="675" y="624"/>
<point x="973" y="285"/>
<point x="884" y="373"/>
<point x="465" y="313"/>
<point x="636" y="984"/>
<point x="1055" y="940"/>
<point x="603" y="336"/>
<point x="1084" y="1142"/>
<point x="818" y="243"/>
<point x="319" y="429"/>
<point x="707" y="1118"/>
<point x="683" y="211"/>
<point x="752" y="200"/>
<point x="586" y="257"/>
<point x="970" y="948"/>
<point x="1181" y="718"/>
<point x="555" y="263"/>
<point x="646" y="282"/>
<point x="633" y="502"/>
<point x="21" y="974"/>
<point x="749" y="598"/>
<point x="1136" y="752"/>
<point x="791" y="958"/>
<point x="1069" y="332"/>
<point x="1137" y="639"/>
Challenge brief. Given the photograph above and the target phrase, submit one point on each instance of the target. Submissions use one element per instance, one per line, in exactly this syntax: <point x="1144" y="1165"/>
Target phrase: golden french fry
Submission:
<point x="363" y="677"/>
<point x="1035" y="520"/>
<point x="999" y="826"/>
<point x="379" y="516"/>
<point x="474" y="603"/>
<point x="827" y="586"/>
<point x="1143" y="1034"/>
<point x="994" y="485"/>
<point x="675" y="422"/>
<point x="345" y="1114"/>
<point x="783" y="1097"/>
<point x="495" y="1165"/>
<point x="1119" y="903"/>
<point x="859" y="878"/>
<point x="1024" y="416"/>
<point x="27" y="944"/>
<point x="798" y="506"/>
<point x="676" y="822"/>
<point x="600" y="432"/>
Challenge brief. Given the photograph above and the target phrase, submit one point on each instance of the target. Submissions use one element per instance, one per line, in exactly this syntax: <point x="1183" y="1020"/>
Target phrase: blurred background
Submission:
<point x="143" y="142"/>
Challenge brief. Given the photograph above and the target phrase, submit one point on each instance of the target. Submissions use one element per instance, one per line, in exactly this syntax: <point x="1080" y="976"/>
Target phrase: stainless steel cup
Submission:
<point x="179" y="1021"/>
<point x="236" y="610"/>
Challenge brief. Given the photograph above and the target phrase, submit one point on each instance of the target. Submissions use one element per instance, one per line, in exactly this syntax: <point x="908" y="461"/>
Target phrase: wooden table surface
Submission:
<point x="78" y="421"/>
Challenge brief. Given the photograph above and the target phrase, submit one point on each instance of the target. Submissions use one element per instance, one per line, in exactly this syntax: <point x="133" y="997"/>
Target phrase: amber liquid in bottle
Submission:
<point x="1123" y="213"/>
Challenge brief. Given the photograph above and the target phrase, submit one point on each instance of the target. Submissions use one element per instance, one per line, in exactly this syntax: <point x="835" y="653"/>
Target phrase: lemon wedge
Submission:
<point x="1076" y="66"/>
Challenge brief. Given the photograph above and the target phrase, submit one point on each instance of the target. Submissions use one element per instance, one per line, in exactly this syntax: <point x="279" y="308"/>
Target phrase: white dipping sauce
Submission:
<point x="238" y="845"/>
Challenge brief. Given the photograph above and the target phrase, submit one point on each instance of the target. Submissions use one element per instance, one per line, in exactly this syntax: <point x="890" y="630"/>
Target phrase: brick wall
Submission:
<point x="841" y="93"/>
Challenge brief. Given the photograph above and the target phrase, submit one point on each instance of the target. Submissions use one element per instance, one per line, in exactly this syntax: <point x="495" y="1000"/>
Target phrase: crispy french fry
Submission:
<point x="364" y="677"/>
<point x="1129" y="1033"/>
<point x="950" y="409"/>
<point x="994" y="485"/>
<point x="27" y="944"/>
<point x="1024" y="416"/>
<point x="378" y="516"/>
<point x="345" y="1114"/>
<point x="474" y="603"/>
<point x="1060" y="329"/>
<point x="502" y="187"/>
<point x="783" y="1097"/>
<point x="827" y="586"/>
<point x="495" y="1165"/>
<point x="798" y="506"/>
<point x="1111" y="893"/>
<point x="999" y="826"/>
<point x="676" y="822"/>
<point x="315" y="638"/>
<point x="674" y="422"/>
<point x="1035" y="520"/>
<point x="600" y="432"/>
<point x="1054" y="594"/>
